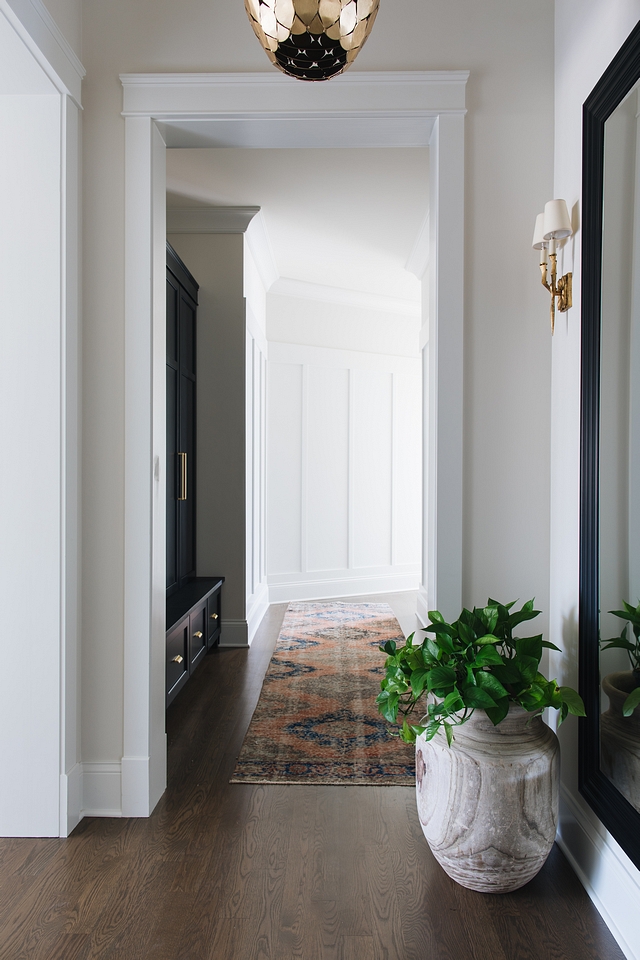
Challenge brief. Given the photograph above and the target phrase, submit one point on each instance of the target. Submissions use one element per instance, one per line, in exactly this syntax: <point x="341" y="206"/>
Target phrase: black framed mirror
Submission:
<point x="609" y="742"/>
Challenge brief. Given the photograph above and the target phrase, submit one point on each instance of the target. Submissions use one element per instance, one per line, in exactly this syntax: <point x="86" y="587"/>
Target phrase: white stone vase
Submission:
<point x="488" y="805"/>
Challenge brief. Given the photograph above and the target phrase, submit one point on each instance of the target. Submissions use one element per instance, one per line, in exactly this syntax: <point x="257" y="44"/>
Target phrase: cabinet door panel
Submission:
<point x="172" y="503"/>
<point x="186" y="551"/>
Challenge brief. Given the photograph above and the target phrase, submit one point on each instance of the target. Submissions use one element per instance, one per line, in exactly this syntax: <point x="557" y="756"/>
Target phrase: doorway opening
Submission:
<point x="265" y="111"/>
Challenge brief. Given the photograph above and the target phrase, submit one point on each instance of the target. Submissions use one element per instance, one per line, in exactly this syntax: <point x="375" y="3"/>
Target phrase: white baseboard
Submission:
<point x="257" y="606"/>
<point x="139" y="793"/>
<point x="234" y="633"/>
<point x="607" y="874"/>
<point x="315" y="588"/>
<point x="70" y="800"/>
<point x="101" y="790"/>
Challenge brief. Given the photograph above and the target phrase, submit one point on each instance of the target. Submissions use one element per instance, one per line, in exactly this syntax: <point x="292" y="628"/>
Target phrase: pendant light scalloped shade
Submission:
<point x="312" y="39"/>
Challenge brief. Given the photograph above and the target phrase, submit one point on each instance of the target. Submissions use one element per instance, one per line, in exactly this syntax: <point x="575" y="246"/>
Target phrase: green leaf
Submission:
<point x="491" y="685"/>
<point x="489" y="617"/>
<point x="441" y="677"/>
<point x="431" y="729"/>
<point x="452" y="703"/>
<point x="508" y="673"/>
<point x="487" y="639"/>
<point x="418" y="680"/>
<point x="573" y="701"/>
<point x="550" y="646"/>
<point x="407" y="734"/>
<point x="487" y="657"/>
<point x="477" y="697"/>
<point x="498" y="713"/>
<point x="528" y="667"/>
<point x="388" y="705"/>
<point x="435" y="615"/>
<point x="631" y="702"/>
<point x="530" y="647"/>
<point x="619" y="644"/>
<point x="448" y="729"/>
<point x="389" y="648"/>
<point x="467" y="635"/>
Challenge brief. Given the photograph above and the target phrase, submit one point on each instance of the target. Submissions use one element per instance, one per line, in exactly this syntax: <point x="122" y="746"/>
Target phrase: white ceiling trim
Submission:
<point x="303" y="290"/>
<point x="205" y="219"/>
<point x="41" y="34"/>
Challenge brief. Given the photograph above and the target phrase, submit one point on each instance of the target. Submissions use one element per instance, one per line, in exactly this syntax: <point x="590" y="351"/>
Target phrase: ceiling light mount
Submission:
<point x="312" y="39"/>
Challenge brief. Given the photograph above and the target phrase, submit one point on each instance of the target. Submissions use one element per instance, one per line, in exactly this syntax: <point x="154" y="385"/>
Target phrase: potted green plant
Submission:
<point x="488" y="795"/>
<point x="620" y="724"/>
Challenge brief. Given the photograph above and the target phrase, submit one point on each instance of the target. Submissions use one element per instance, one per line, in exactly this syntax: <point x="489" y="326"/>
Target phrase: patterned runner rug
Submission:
<point x="316" y="720"/>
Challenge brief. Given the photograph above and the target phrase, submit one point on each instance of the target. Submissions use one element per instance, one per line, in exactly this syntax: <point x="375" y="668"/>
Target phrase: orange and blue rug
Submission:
<point x="316" y="720"/>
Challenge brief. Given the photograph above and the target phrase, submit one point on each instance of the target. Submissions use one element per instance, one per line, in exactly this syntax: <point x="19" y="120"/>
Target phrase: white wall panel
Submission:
<point x="284" y="464"/>
<point x="326" y="442"/>
<point x="344" y="472"/>
<point x="407" y="469"/>
<point x="372" y="440"/>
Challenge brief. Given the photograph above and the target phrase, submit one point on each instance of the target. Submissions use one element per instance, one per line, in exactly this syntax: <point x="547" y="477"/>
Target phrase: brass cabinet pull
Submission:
<point x="198" y="634"/>
<point x="214" y="616"/>
<point x="182" y="494"/>
<point x="177" y="659"/>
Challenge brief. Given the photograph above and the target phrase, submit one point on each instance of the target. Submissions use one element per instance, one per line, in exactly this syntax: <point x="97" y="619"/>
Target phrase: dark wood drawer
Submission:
<point x="197" y="635"/>
<point x="177" y="658"/>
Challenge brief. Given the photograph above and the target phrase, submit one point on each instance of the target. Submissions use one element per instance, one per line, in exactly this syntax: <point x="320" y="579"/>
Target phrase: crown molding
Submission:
<point x="41" y="34"/>
<point x="413" y="94"/>
<point x="418" y="260"/>
<point x="209" y="219"/>
<point x="302" y="290"/>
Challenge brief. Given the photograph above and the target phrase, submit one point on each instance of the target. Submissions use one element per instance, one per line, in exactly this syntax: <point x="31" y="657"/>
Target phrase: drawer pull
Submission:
<point x="177" y="659"/>
<point x="198" y="634"/>
<point x="214" y="616"/>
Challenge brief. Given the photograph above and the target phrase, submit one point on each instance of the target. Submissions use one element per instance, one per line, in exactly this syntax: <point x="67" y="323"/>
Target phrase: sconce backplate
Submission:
<point x="565" y="292"/>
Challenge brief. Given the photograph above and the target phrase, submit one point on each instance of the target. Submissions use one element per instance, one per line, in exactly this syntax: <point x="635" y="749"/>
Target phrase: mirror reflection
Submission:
<point x="620" y="453"/>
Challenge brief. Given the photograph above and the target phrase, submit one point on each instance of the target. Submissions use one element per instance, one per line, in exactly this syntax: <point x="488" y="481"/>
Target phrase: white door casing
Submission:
<point x="270" y="110"/>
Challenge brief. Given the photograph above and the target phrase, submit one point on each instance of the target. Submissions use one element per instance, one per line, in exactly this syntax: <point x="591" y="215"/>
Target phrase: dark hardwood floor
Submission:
<point x="243" y="872"/>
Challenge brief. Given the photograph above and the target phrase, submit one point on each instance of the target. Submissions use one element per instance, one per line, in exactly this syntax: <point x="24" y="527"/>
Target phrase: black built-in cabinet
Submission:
<point x="193" y="603"/>
<point x="182" y="302"/>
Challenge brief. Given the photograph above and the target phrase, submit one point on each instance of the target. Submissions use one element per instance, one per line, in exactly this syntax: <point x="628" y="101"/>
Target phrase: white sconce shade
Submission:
<point x="557" y="223"/>
<point x="539" y="242"/>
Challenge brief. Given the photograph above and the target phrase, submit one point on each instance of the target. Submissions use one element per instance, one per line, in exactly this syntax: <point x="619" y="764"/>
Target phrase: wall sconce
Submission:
<point x="551" y="226"/>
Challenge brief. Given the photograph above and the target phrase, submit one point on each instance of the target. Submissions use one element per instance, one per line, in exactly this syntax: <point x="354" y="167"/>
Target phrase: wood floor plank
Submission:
<point x="226" y="871"/>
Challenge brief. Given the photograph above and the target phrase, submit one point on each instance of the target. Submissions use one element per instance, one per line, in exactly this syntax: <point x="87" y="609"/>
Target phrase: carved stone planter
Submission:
<point x="620" y="737"/>
<point x="488" y="804"/>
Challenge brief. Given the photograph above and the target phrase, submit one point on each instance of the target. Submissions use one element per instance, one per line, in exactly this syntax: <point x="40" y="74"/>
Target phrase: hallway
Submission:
<point x="235" y="872"/>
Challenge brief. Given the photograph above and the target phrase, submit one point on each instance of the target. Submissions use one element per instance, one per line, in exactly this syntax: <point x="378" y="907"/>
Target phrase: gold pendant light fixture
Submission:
<point x="312" y="39"/>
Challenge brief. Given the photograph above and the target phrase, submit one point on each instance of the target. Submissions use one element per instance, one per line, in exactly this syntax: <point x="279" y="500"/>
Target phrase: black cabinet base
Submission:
<point x="193" y="628"/>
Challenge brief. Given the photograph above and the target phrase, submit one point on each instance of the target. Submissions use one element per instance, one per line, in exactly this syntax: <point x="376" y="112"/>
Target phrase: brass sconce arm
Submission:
<point x="552" y="226"/>
<point x="560" y="290"/>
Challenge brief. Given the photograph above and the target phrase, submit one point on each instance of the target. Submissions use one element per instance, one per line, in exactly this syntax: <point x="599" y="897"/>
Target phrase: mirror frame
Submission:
<point x="613" y="809"/>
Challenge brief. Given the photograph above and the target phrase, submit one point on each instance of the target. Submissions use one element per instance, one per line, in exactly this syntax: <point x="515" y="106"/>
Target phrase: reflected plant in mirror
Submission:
<point x="632" y="614"/>
<point x="620" y="724"/>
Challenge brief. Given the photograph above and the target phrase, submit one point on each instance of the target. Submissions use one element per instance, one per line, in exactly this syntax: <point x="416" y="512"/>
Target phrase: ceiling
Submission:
<point x="345" y="217"/>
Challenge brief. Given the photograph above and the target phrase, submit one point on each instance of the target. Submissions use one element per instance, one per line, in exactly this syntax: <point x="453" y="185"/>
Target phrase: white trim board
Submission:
<point x="604" y="870"/>
<point x="420" y="108"/>
<point x="316" y="588"/>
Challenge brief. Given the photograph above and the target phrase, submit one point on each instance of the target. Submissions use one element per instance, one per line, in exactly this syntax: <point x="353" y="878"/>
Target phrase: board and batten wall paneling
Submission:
<point x="343" y="472"/>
